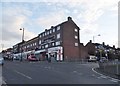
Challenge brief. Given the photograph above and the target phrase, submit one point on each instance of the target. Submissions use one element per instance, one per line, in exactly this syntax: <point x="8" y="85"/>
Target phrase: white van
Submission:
<point x="92" y="58"/>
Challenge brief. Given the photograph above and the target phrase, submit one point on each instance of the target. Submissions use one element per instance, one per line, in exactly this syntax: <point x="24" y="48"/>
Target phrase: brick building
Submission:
<point x="16" y="47"/>
<point x="102" y="50"/>
<point x="62" y="42"/>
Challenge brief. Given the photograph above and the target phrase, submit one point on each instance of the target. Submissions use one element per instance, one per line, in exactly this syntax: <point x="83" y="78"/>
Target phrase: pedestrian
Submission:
<point x="49" y="57"/>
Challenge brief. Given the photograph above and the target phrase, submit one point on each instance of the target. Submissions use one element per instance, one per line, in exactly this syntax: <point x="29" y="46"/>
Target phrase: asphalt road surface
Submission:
<point x="52" y="73"/>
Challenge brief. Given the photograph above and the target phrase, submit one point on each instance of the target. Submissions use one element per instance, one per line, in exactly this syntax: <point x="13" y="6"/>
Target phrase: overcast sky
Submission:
<point x="92" y="16"/>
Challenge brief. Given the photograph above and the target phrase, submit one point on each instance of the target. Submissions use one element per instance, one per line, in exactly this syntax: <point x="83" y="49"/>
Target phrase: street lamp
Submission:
<point x="22" y="34"/>
<point x="94" y="37"/>
<point x="22" y="41"/>
<point x="2" y="45"/>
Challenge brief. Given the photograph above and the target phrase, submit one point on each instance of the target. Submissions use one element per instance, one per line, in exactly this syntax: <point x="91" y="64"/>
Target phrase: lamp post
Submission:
<point x="22" y="34"/>
<point x="94" y="37"/>
<point x="2" y="45"/>
<point x="22" y="42"/>
<point x="94" y="42"/>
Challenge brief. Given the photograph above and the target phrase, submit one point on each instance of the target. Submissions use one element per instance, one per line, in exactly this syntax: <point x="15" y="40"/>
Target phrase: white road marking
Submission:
<point x="112" y="79"/>
<point x="77" y="72"/>
<point x="23" y="74"/>
<point x="47" y="67"/>
<point x="103" y="76"/>
<point x="3" y="80"/>
<point x="32" y="62"/>
<point x="98" y="77"/>
<point x="74" y="71"/>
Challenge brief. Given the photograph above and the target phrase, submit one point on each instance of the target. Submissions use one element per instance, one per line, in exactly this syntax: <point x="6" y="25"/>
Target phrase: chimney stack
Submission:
<point x="69" y="18"/>
<point x="113" y="46"/>
<point x="45" y="30"/>
<point x="90" y="41"/>
<point x="103" y="43"/>
<point x="52" y="26"/>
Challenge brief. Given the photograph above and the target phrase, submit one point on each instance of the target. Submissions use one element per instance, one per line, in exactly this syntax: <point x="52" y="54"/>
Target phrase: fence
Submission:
<point x="111" y="67"/>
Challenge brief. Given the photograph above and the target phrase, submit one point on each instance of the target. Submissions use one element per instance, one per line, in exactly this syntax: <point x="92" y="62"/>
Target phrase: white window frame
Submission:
<point x="40" y="36"/>
<point x="58" y="36"/>
<point x="58" y="28"/>
<point x="57" y="43"/>
<point x="39" y="47"/>
<point x="76" y="30"/>
<point x="53" y="30"/>
<point x="76" y="37"/>
<point x="53" y="44"/>
<point x="76" y="44"/>
<point x="50" y="31"/>
<point x="43" y="46"/>
<point x="35" y="43"/>
<point x="43" y="34"/>
<point x="39" y="41"/>
<point x="46" y="46"/>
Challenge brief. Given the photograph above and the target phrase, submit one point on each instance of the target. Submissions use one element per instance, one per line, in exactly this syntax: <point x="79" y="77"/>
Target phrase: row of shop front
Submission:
<point x="55" y="53"/>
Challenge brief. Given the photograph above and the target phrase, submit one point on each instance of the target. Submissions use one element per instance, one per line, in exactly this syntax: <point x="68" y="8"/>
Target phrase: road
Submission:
<point x="52" y="73"/>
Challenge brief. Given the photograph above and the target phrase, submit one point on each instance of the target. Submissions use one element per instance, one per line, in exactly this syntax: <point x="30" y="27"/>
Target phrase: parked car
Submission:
<point x="16" y="58"/>
<point x="32" y="57"/>
<point x="92" y="59"/>
<point x="103" y="59"/>
<point x="1" y="61"/>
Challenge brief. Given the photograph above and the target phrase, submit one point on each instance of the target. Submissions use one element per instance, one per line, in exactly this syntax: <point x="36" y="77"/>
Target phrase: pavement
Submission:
<point x="15" y="72"/>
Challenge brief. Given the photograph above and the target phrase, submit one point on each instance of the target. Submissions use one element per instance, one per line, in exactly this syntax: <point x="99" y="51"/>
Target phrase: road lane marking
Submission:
<point x="114" y="80"/>
<point x="23" y="74"/>
<point x="74" y="71"/>
<point x="103" y="77"/>
<point x="77" y="72"/>
<point x="4" y="81"/>
<point x="47" y="67"/>
<point x="99" y="77"/>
